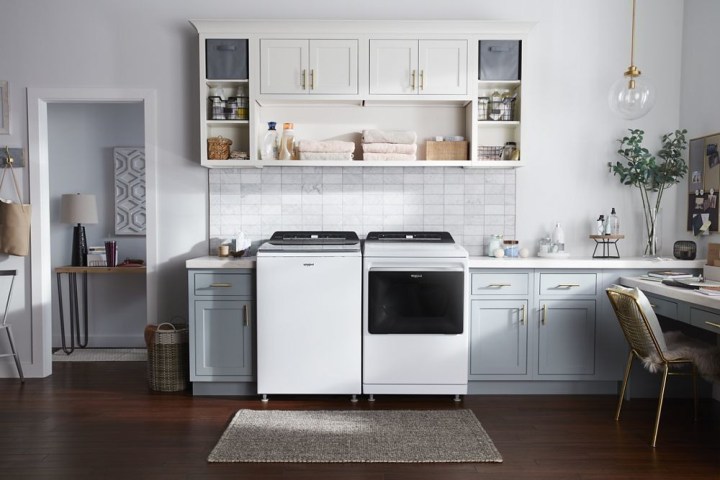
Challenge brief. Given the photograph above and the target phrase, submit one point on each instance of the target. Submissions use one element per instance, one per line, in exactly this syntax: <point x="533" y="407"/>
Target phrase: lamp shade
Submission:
<point x="78" y="208"/>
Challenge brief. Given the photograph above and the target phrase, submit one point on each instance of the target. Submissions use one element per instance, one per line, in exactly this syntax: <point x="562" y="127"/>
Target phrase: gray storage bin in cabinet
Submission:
<point x="499" y="60"/>
<point x="226" y="59"/>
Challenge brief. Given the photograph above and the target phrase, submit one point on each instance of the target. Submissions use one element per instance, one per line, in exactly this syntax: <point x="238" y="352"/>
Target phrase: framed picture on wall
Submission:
<point x="703" y="182"/>
<point x="4" y="108"/>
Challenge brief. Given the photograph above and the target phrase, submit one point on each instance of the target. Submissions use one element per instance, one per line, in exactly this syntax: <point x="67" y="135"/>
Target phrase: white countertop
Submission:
<point x="678" y="293"/>
<point x="491" y="262"/>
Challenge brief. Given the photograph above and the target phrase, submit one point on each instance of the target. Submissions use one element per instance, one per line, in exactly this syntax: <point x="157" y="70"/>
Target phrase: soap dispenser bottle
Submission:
<point x="558" y="237"/>
<point x="613" y="223"/>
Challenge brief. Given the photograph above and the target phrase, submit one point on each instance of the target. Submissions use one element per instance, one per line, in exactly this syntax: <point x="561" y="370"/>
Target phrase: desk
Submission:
<point x="681" y="304"/>
<point x="72" y="272"/>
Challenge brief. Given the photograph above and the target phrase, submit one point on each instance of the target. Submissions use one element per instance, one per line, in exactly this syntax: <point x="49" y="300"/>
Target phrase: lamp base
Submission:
<point x="79" y="247"/>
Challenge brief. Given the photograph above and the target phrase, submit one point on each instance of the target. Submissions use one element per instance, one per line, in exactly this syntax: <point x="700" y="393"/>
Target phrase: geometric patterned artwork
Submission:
<point x="130" y="217"/>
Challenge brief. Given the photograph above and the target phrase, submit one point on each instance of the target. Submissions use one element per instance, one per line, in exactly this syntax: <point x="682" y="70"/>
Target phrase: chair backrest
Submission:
<point x="638" y="321"/>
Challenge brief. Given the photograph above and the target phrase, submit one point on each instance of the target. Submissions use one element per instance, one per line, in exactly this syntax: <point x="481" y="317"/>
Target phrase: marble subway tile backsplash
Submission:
<point x="471" y="204"/>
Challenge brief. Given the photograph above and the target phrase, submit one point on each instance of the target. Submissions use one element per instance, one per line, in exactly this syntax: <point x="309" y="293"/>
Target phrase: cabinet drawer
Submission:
<point x="663" y="307"/>
<point x="500" y="283"/>
<point x="705" y="320"/>
<point x="568" y="284"/>
<point x="218" y="284"/>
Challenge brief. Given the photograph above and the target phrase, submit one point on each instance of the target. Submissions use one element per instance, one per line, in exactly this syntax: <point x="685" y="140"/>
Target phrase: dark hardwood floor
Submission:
<point x="100" y="421"/>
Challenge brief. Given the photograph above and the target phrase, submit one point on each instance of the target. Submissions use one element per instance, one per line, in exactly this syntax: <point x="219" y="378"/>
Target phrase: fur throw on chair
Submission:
<point x="706" y="357"/>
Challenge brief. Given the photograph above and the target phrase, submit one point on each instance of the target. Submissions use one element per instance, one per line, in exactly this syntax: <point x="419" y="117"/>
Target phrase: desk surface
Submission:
<point x="69" y="269"/>
<point x="678" y="293"/>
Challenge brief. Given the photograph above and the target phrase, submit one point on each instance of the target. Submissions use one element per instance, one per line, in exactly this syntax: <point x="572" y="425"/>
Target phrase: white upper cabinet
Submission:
<point x="418" y="67"/>
<point x="323" y="67"/>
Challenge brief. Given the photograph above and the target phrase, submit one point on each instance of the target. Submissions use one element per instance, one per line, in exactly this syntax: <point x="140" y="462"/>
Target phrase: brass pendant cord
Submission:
<point x="632" y="38"/>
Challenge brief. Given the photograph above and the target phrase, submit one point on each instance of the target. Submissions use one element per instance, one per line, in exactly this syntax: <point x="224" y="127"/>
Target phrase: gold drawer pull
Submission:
<point x="412" y="80"/>
<point x="220" y="285"/>
<point x="499" y="285"/>
<point x="523" y="317"/>
<point x="712" y="324"/>
<point x="246" y="315"/>
<point x="567" y="285"/>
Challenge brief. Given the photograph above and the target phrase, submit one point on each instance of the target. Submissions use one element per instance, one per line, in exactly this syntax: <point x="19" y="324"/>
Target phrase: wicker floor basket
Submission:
<point x="168" y="362"/>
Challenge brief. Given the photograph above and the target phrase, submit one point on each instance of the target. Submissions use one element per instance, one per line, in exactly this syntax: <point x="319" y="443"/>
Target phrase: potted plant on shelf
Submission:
<point x="650" y="176"/>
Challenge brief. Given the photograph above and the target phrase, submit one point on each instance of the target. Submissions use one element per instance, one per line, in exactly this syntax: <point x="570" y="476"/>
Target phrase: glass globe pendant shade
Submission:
<point x="632" y="97"/>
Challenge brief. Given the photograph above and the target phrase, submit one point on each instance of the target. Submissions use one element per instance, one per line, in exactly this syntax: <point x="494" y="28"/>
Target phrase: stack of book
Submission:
<point x="660" y="275"/>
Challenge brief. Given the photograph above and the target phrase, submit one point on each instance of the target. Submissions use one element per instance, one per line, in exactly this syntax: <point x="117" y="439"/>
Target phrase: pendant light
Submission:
<point x="632" y="96"/>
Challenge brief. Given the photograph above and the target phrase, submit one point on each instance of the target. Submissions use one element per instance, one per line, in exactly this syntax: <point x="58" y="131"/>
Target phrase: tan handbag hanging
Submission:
<point x="14" y="222"/>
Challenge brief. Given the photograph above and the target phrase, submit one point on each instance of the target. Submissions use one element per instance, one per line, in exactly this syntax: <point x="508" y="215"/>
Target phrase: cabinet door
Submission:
<point x="393" y="67"/>
<point x="498" y="337"/>
<point x="443" y="67"/>
<point x="566" y="337"/>
<point x="222" y="331"/>
<point x="283" y="66"/>
<point x="333" y="67"/>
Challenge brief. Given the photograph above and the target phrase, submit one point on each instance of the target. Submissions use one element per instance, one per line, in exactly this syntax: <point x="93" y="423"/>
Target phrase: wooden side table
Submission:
<point x="606" y="241"/>
<point x="74" y="310"/>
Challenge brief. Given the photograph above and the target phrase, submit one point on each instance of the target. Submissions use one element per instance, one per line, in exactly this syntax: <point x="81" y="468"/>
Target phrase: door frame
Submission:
<point x="38" y="161"/>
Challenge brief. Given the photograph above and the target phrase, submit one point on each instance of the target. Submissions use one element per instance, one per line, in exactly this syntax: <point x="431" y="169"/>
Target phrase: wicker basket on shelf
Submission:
<point x="168" y="357"/>
<point x="446" y="150"/>
<point x="219" y="148"/>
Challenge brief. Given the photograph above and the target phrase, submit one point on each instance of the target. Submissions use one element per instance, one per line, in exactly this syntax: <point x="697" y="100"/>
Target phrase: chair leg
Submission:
<point x="666" y="368"/>
<point x="624" y="385"/>
<point x="15" y="354"/>
<point x="695" y="392"/>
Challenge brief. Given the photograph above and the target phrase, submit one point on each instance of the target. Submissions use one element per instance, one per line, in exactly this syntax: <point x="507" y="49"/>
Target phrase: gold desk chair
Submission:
<point x="6" y="326"/>
<point x="645" y="338"/>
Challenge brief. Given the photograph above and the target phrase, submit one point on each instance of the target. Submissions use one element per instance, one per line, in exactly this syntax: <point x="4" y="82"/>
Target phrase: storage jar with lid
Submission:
<point x="483" y="108"/>
<point x="511" y="248"/>
<point x="494" y="244"/>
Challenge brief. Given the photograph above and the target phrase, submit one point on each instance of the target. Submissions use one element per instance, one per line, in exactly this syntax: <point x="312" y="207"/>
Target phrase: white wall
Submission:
<point x="576" y="51"/>
<point x="81" y="140"/>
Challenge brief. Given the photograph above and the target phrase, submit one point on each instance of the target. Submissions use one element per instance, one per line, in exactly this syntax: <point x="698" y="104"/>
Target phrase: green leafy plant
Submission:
<point x="643" y="170"/>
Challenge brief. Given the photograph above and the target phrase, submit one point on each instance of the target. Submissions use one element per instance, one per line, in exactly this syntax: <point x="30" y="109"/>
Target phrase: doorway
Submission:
<point x="42" y="281"/>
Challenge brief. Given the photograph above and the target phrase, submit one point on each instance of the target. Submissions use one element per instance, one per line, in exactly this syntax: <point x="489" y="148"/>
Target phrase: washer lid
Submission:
<point x="311" y="241"/>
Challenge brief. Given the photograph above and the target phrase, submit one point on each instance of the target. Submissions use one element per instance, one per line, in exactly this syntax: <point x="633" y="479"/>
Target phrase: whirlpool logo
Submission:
<point x="308" y="264"/>
<point x="416" y="275"/>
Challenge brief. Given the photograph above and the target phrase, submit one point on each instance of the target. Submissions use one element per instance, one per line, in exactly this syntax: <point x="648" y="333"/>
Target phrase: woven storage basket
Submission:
<point x="446" y="150"/>
<point x="168" y="362"/>
<point x="219" y="148"/>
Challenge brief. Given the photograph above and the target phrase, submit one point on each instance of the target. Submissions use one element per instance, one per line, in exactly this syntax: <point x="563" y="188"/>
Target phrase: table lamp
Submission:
<point x="78" y="209"/>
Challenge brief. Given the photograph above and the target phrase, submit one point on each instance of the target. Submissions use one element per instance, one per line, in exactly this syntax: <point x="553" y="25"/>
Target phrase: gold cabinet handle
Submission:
<point x="567" y="285"/>
<point x="523" y="314"/>
<point x="544" y="314"/>
<point x="712" y="324"/>
<point x="422" y="79"/>
<point x="246" y="315"/>
<point x="412" y="80"/>
<point x="312" y="79"/>
<point x="220" y="285"/>
<point x="499" y="285"/>
<point x="303" y="79"/>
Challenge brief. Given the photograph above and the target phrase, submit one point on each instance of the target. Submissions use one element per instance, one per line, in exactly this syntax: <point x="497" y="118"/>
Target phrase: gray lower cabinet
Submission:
<point x="222" y="323"/>
<point x="536" y="325"/>
<point x="499" y="315"/>
<point x="566" y="338"/>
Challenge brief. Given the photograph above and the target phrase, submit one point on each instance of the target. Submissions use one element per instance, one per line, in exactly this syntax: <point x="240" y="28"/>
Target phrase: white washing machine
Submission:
<point x="309" y="314"/>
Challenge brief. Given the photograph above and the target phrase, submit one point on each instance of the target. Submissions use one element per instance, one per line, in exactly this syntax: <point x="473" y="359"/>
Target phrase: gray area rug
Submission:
<point x="342" y="436"/>
<point x="102" y="355"/>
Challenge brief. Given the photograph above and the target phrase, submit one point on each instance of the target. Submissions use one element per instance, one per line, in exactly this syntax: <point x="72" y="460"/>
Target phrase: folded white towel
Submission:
<point x="406" y="148"/>
<point x="325" y="155"/>
<point x="325" y="146"/>
<point x="388" y="156"/>
<point x="389" y="136"/>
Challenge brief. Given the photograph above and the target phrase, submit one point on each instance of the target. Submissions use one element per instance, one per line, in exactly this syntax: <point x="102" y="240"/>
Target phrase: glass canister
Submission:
<point x="495" y="243"/>
<point x="483" y="108"/>
<point x="495" y="106"/>
<point x="243" y="112"/>
<point x="510" y="248"/>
